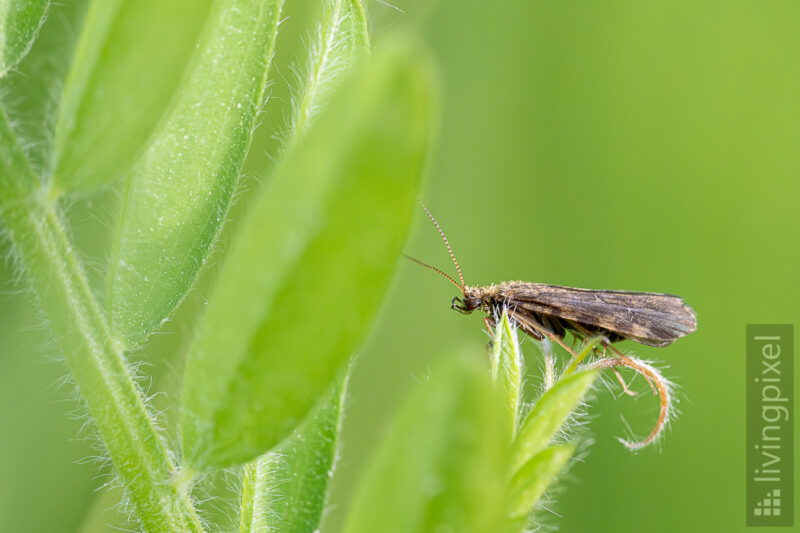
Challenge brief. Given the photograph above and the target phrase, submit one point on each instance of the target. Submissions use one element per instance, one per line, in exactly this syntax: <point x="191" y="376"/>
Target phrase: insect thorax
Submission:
<point x="486" y="299"/>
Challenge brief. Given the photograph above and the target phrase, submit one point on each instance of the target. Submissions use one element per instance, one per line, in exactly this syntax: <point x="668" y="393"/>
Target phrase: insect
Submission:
<point x="551" y="311"/>
<point x="543" y="310"/>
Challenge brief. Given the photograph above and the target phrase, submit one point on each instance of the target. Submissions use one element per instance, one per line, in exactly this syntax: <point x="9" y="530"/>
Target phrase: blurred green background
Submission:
<point x="620" y="145"/>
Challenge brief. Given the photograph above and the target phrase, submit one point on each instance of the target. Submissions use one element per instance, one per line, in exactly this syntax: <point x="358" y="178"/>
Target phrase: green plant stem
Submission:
<point x="254" y="487"/>
<point x="96" y="360"/>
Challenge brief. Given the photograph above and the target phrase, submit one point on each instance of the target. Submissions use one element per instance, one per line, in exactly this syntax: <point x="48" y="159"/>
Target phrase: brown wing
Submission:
<point x="649" y="318"/>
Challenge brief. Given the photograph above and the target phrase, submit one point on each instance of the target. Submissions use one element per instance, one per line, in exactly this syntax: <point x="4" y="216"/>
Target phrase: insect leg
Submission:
<point x="488" y="325"/>
<point x="560" y="341"/>
<point x="649" y="381"/>
<point x="536" y="330"/>
<point x="621" y="380"/>
<point x="653" y="376"/>
<point x="625" y="388"/>
<point x="579" y="331"/>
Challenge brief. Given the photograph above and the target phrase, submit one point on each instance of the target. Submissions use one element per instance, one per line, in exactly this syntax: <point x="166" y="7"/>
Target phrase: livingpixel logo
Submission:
<point x="770" y="505"/>
<point x="770" y="431"/>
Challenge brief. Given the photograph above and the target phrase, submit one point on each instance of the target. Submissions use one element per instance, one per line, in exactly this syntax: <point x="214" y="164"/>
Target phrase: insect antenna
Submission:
<point x="446" y="243"/>
<point x="426" y="265"/>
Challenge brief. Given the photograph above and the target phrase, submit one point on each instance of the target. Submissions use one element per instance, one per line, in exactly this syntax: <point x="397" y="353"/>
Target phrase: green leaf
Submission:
<point x="507" y="369"/>
<point x="442" y="466"/>
<point x="128" y="63"/>
<point x="310" y="264"/>
<point x="548" y="415"/>
<point x="287" y="487"/>
<point x="31" y="90"/>
<point x="341" y="40"/>
<point x="20" y="21"/>
<point x="181" y="187"/>
<point x="533" y="478"/>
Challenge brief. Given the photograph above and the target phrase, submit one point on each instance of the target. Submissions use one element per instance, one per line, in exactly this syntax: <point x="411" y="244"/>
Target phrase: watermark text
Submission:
<point x="770" y="431"/>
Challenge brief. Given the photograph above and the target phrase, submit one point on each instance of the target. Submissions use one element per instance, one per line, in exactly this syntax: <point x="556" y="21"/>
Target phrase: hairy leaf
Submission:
<point x="310" y="264"/>
<point x="127" y="65"/>
<point x="549" y="414"/>
<point x="442" y="465"/>
<point x="341" y="40"/>
<point x="534" y="477"/>
<point x="507" y="370"/>
<point x="179" y="192"/>
<point x="285" y="490"/>
<point x="31" y="91"/>
<point x="20" y="21"/>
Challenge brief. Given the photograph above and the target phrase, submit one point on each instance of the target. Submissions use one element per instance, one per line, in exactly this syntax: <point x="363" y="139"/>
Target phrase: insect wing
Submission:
<point x="650" y="318"/>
